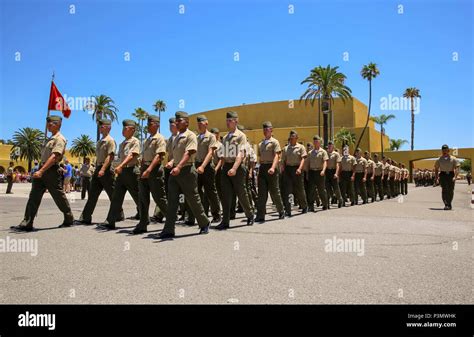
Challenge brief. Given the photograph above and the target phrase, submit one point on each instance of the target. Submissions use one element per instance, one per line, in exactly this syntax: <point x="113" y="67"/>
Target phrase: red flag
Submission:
<point x="57" y="102"/>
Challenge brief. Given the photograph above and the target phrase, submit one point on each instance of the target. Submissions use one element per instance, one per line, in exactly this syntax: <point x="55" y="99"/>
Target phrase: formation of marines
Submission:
<point x="192" y="173"/>
<point x="424" y="177"/>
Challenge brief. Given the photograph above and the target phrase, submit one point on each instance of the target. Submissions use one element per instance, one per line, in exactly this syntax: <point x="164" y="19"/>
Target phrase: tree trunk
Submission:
<point x="368" y="116"/>
<point x="325" y="127"/>
<point x="97" y="126"/>
<point x="29" y="166"/>
<point x="319" y="115"/>
<point x="159" y="125"/>
<point x="381" y="138"/>
<point x="412" y="125"/>
<point x="332" y="124"/>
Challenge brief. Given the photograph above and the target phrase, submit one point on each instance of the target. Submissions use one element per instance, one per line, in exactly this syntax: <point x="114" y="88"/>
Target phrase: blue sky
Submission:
<point x="190" y="57"/>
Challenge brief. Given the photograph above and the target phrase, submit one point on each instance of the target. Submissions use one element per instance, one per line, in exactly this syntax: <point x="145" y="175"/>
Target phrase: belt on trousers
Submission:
<point x="52" y="166"/>
<point x="318" y="169"/>
<point x="447" y="172"/>
<point x="186" y="165"/>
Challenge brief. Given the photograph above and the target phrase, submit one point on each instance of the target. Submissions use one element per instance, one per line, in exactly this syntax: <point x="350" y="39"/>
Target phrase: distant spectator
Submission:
<point x="10" y="178"/>
<point x="67" y="176"/>
<point x="77" y="181"/>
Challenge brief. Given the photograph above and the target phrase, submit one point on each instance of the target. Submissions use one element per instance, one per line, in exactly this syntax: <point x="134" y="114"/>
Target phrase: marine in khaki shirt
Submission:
<point x="370" y="167"/>
<point x="348" y="162"/>
<point x="292" y="154"/>
<point x="446" y="172"/>
<point x="386" y="169"/>
<point x="205" y="141"/>
<point x="86" y="170"/>
<point x="447" y="163"/>
<point x="316" y="159"/>
<point x="233" y="145"/>
<point x="185" y="141"/>
<point x="169" y="146"/>
<point x="153" y="146"/>
<point x="361" y="165"/>
<point x="130" y="145"/>
<point x="55" y="144"/>
<point x="104" y="148"/>
<point x="215" y="155"/>
<point x="48" y="178"/>
<point x="333" y="158"/>
<point x="268" y="149"/>
<point x="378" y="168"/>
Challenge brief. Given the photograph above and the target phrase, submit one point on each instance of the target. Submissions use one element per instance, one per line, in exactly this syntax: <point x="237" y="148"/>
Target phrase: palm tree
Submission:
<point x="382" y="120"/>
<point x="159" y="106"/>
<point x="27" y="143"/>
<point x="141" y="115"/>
<point x="412" y="93"/>
<point x="326" y="83"/>
<point x="140" y="130"/>
<point x="368" y="72"/>
<point x="82" y="146"/>
<point x="345" y="137"/>
<point x="104" y="107"/>
<point x="396" y="144"/>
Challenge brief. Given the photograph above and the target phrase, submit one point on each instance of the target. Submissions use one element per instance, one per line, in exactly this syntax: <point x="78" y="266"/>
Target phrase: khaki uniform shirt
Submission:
<point x="55" y="144"/>
<point x="378" y="168"/>
<point x="186" y="141"/>
<point x="268" y="149"/>
<point x="154" y="145"/>
<point x="215" y="156"/>
<point x="386" y="169"/>
<point x="292" y="155"/>
<point x="233" y="144"/>
<point x="361" y="164"/>
<point x="131" y="145"/>
<point x="316" y="159"/>
<point x="334" y="158"/>
<point x="392" y="170"/>
<point x="370" y="166"/>
<point x="347" y="163"/>
<point x="204" y="142"/>
<point x="447" y="164"/>
<point x="86" y="170"/>
<point x="169" y="147"/>
<point x="104" y="148"/>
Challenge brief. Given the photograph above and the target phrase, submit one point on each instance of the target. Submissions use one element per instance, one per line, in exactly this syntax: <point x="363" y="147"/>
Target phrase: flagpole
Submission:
<point x="47" y="114"/>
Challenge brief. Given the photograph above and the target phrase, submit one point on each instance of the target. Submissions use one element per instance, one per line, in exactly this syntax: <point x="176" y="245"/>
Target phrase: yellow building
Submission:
<point x="293" y="115"/>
